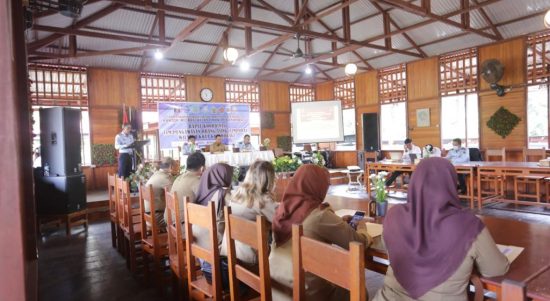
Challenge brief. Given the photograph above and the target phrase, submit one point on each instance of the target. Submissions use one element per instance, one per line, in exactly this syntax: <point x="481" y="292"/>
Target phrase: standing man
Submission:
<point x="122" y="142"/>
<point x="457" y="155"/>
<point x="217" y="146"/>
<point x="189" y="147"/>
<point x="409" y="148"/>
<point x="245" y="145"/>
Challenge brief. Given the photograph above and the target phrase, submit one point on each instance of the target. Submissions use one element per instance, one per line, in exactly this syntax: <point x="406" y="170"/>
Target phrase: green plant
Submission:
<point x="379" y="183"/>
<point x="103" y="154"/>
<point x="318" y="159"/>
<point x="284" y="142"/>
<point x="141" y="175"/>
<point x="503" y="122"/>
<point x="236" y="174"/>
<point x="286" y="164"/>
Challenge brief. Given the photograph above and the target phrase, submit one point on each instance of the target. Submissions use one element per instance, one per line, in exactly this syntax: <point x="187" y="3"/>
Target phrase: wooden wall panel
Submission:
<point x="324" y="91"/>
<point x="512" y="55"/>
<point x="513" y="101"/>
<point x="282" y="128"/>
<point x="274" y="97"/>
<point x="359" y="122"/>
<point x="366" y="89"/>
<point x="342" y="159"/>
<point x="423" y="79"/>
<point x="425" y="135"/>
<point x="194" y="85"/>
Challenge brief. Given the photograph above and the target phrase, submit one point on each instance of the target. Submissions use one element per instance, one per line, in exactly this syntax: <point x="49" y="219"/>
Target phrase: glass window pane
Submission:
<point x="149" y="117"/>
<point x="537" y="116"/>
<point x="472" y="121"/>
<point x="393" y="125"/>
<point x="453" y="120"/>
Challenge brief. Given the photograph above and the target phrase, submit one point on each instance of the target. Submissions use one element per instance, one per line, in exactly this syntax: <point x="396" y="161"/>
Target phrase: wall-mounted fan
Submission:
<point x="299" y="53"/>
<point x="492" y="71"/>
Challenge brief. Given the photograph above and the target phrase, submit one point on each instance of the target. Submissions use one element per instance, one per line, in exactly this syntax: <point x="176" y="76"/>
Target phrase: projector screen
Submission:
<point x="318" y="121"/>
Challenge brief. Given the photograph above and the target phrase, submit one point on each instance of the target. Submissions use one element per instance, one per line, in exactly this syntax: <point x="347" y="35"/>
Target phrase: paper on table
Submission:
<point x="511" y="252"/>
<point x="374" y="230"/>
<point x="343" y="212"/>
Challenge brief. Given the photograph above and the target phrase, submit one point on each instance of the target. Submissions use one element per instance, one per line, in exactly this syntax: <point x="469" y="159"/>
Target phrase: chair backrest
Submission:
<point x="371" y="157"/>
<point x="495" y="153"/>
<point x="341" y="267"/>
<point x="205" y="217"/>
<point x="254" y="234"/>
<point x="475" y="154"/>
<point x="129" y="217"/>
<point x="176" y="247"/>
<point x="307" y="148"/>
<point x="112" y="190"/>
<point x="149" y="226"/>
<point x="120" y="183"/>
<point x="533" y="155"/>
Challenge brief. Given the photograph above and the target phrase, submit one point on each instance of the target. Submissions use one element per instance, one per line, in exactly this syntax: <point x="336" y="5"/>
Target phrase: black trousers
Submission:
<point x="462" y="182"/>
<point x="392" y="177"/>
<point x="124" y="165"/>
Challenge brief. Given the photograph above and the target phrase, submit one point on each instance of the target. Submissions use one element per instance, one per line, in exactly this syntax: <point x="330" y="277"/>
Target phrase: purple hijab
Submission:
<point x="214" y="179"/>
<point x="428" y="238"/>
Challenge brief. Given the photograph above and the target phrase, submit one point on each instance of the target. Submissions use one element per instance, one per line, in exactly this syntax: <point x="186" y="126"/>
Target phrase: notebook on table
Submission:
<point x="511" y="252"/>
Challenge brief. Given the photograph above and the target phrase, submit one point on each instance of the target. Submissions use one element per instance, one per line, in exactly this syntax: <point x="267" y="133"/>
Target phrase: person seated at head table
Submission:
<point x="302" y="203"/>
<point x="190" y="146"/>
<point x="187" y="184"/>
<point x="255" y="196"/>
<point x="159" y="180"/>
<point x="431" y="151"/>
<point x="433" y="243"/>
<point x="409" y="148"/>
<point x="245" y="145"/>
<point x="217" y="146"/>
<point x="457" y="155"/>
<point x="215" y="186"/>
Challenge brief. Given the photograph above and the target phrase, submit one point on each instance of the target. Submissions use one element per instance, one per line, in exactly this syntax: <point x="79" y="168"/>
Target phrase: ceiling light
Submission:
<point x="350" y="69"/>
<point x="230" y="54"/>
<point x="308" y="69"/>
<point x="159" y="55"/>
<point x="547" y="19"/>
<point x="245" y="66"/>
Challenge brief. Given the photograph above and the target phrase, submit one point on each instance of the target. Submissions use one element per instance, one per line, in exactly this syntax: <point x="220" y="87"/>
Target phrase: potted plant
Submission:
<point x="381" y="194"/>
<point x="318" y="159"/>
<point x="141" y="175"/>
<point x="265" y="144"/>
<point x="285" y="165"/>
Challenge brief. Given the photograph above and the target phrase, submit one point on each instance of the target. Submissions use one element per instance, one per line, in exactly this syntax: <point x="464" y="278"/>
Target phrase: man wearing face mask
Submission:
<point x="457" y="155"/>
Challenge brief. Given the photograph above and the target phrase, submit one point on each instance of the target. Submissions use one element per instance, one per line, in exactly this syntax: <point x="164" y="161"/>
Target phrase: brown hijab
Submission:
<point x="305" y="192"/>
<point x="217" y="178"/>
<point x="428" y="238"/>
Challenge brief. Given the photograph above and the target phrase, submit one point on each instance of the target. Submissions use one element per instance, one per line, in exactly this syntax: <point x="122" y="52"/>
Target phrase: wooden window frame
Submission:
<point x="155" y="87"/>
<point x="458" y="72"/>
<point x="392" y="84"/>
<point x="51" y="85"/>
<point x="344" y="90"/>
<point x="243" y="91"/>
<point x="538" y="72"/>
<point x="301" y="93"/>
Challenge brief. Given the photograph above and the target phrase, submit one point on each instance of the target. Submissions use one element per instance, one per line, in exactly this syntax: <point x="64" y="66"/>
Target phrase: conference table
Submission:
<point x="534" y="238"/>
<point x="234" y="158"/>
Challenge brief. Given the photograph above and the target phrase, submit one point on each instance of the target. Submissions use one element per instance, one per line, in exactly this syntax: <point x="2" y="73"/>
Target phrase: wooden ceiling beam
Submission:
<point x="387" y="29"/>
<point x="489" y="21"/>
<point x="247" y="29"/>
<point x="300" y="13"/>
<point x="346" y="22"/>
<point x="278" y="12"/>
<point x="465" y="17"/>
<point x="162" y="23"/>
<point x="151" y="31"/>
<point x="93" y="53"/>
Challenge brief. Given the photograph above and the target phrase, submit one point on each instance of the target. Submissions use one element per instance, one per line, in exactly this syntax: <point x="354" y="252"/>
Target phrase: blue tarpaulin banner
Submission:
<point x="178" y="120"/>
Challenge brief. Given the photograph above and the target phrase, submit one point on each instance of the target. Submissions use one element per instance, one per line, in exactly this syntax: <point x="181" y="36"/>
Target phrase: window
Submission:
<point x="58" y="86"/>
<point x="537" y="116"/>
<point x="538" y="58"/>
<point x="344" y="90"/>
<point x="458" y="72"/>
<point x="393" y="125"/>
<point x="301" y="93"/>
<point x="243" y="92"/>
<point x="392" y="83"/>
<point x="157" y="87"/>
<point x="255" y="129"/>
<point x="460" y="119"/>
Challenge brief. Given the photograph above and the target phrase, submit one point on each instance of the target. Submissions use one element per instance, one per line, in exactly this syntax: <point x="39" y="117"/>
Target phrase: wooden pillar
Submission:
<point x="18" y="258"/>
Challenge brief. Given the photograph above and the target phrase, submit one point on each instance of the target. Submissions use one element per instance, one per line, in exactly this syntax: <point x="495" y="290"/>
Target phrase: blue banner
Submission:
<point x="178" y="120"/>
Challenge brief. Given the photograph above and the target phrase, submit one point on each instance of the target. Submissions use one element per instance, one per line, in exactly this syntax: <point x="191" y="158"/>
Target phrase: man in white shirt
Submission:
<point x="190" y="147"/>
<point x="409" y="149"/>
<point x="431" y="151"/>
<point x="457" y="155"/>
<point x="122" y="142"/>
<point x="245" y="145"/>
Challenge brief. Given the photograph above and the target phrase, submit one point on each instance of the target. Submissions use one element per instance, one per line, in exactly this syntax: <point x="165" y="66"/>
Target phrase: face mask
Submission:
<point x="456" y="147"/>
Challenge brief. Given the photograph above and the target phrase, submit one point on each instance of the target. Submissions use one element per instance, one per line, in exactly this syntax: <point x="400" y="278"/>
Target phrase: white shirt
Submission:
<point x="436" y="152"/>
<point x="121" y="141"/>
<point x="414" y="150"/>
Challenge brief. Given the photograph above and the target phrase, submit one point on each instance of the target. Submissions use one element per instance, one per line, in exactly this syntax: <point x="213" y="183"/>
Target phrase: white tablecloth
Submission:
<point x="235" y="159"/>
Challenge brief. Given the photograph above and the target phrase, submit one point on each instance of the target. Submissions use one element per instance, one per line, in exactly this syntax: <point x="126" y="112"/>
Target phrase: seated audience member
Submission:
<point x="215" y="186"/>
<point x="457" y="155"/>
<point x="431" y="151"/>
<point x="159" y="180"/>
<point x="255" y="196"/>
<point x="217" y="146"/>
<point x="409" y="148"/>
<point x="302" y="204"/>
<point x="424" y="263"/>
<point x="187" y="184"/>
<point x="189" y="147"/>
<point x="245" y="145"/>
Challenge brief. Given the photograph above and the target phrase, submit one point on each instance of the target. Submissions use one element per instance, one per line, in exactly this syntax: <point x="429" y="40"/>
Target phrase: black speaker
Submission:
<point x="371" y="142"/>
<point x="60" y="141"/>
<point x="60" y="195"/>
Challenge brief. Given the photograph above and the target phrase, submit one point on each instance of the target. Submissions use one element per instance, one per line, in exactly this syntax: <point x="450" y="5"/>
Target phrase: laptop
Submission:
<point x="413" y="157"/>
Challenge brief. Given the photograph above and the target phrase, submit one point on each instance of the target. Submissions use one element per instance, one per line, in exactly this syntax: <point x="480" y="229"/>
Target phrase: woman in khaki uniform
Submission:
<point x="302" y="203"/>
<point x="433" y="244"/>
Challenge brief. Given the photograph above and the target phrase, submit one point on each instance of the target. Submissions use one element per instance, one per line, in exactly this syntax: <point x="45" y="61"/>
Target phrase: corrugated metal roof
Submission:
<point x="89" y="43"/>
<point x="283" y="77"/>
<point x="459" y="43"/>
<point x="175" y="67"/>
<point x="510" y="9"/>
<point x="391" y="60"/>
<point x="366" y="29"/>
<point x="403" y="18"/>
<point x="522" y="28"/>
<point x="207" y="33"/>
<point x="431" y="32"/>
<point x="188" y="51"/>
<point x="126" y="20"/>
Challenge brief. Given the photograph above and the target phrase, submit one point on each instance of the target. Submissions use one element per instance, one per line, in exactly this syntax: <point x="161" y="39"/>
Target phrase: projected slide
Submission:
<point x="318" y="121"/>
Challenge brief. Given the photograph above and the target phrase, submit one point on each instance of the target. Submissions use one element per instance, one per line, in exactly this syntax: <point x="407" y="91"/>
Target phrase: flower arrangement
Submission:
<point x="318" y="159"/>
<point x="236" y="174"/>
<point x="379" y="183"/>
<point x="286" y="164"/>
<point x="266" y="143"/>
<point x="141" y="175"/>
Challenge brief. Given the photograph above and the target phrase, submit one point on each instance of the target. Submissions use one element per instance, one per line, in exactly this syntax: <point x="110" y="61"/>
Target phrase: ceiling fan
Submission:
<point x="299" y="53"/>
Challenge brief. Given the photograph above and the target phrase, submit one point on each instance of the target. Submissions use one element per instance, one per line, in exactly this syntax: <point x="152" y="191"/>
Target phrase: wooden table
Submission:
<point x="508" y="169"/>
<point x="534" y="238"/>
<point x="539" y="287"/>
<point x="467" y="169"/>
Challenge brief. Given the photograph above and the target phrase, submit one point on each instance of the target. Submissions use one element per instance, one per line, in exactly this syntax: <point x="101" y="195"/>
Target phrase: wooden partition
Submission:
<point x="194" y="85"/>
<point x="366" y="101"/>
<point x="275" y="99"/>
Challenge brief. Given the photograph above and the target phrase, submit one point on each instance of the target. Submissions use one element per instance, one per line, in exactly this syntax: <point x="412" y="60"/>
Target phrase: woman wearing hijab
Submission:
<point x="301" y="204"/>
<point x="433" y="243"/>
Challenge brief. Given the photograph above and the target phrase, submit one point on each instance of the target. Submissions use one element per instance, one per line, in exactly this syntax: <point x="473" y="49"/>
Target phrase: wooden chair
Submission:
<point x="255" y="235"/>
<point x="513" y="291"/>
<point x="131" y="226"/>
<point x="176" y="243"/>
<point x="307" y="148"/>
<point x="494" y="182"/>
<point x="113" y="216"/>
<point x="205" y="217"/>
<point x="530" y="155"/>
<point x="547" y="185"/>
<point x="370" y="157"/>
<point x="341" y="267"/>
<point x="121" y="245"/>
<point x="153" y="242"/>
